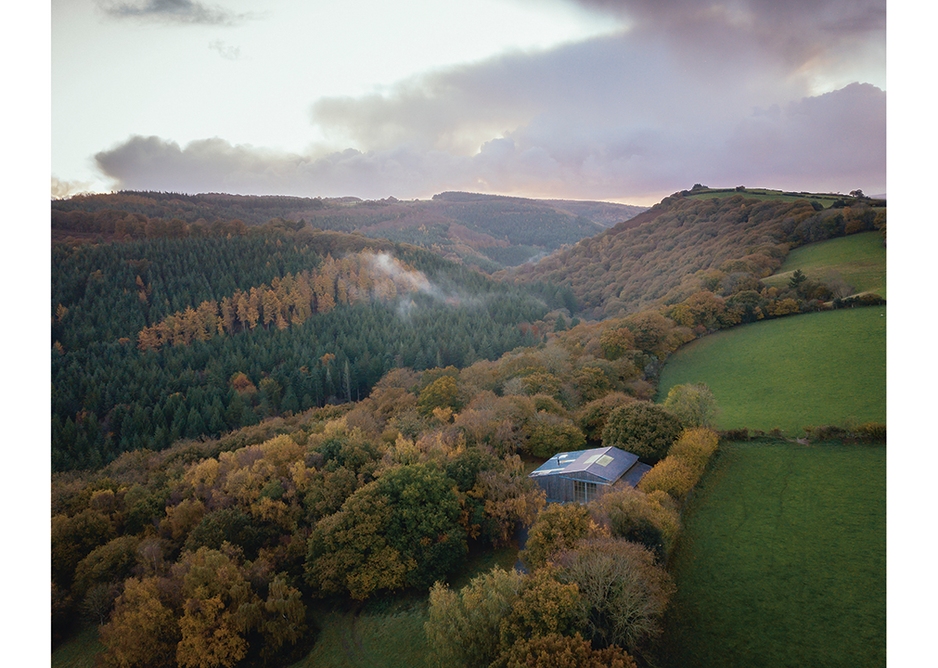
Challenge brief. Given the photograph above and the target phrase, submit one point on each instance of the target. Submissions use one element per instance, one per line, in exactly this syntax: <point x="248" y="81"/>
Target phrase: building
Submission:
<point x="587" y="474"/>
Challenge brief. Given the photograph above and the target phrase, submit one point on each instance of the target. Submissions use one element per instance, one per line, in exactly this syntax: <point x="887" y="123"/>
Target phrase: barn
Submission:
<point x="587" y="474"/>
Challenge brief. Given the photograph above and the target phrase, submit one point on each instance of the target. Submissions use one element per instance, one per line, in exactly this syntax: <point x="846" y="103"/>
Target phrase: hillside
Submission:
<point x="855" y="264"/>
<point x="158" y="339"/>
<point x="662" y="255"/>
<point x="813" y="369"/>
<point x="485" y="231"/>
<point x="270" y="441"/>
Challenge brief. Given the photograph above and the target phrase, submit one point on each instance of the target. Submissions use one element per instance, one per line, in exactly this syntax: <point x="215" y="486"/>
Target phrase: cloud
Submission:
<point x="834" y="141"/>
<point x="224" y="50"/>
<point x="62" y="188"/>
<point x="173" y="11"/>
<point x="685" y="92"/>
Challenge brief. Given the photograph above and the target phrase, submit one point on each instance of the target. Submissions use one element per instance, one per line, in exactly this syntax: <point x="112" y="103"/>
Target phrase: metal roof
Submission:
<point x="607" y="463"/>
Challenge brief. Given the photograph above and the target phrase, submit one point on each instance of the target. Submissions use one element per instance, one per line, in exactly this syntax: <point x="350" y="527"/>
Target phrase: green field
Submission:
<point x="782" y="562"/>
<point x="392" y="639"/>
<point x="824" y="200"/>
<point x="859" y="260"/>
<point x="790" y="373"/>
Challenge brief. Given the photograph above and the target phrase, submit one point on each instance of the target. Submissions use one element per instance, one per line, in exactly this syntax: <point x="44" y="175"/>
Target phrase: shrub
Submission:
<point x="670" y="475"/>
<point x="695" y="447"/>
<point x="872" y="432"/>
<point x="642" y="428"/>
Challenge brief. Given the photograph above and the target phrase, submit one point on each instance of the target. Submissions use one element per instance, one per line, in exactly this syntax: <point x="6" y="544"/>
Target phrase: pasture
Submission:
<point x="824" y="200"/>
<point x="790" y="373"/>
<point x="783" y="560"/>
<point x="858" y="260"/>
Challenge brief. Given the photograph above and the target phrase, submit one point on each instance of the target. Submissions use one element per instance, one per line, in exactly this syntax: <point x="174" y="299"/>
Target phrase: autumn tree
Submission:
<point x="400" y="530"/>
<point x="624" y="590"/>
<point x="544" y="606"/>
<point x="558" y="527"/>
<point x="142" y="631"/>
<point x="693" y="404"/>
<point x="444" y="392"/>
<point x="463" y="627"/>
<point x="554" y="650"/>
<point x="642" y="428"/>
<point x="653" y="519"/>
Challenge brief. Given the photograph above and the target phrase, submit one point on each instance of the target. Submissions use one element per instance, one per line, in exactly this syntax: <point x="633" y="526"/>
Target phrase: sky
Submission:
<point x="617" y="100"/>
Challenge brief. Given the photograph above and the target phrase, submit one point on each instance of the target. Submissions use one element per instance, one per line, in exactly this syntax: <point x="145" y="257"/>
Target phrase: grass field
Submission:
<point x="859" y="259"/>
<point x="790" y="373"/>
<point x="824" y="200"/>
<point x="386" y="639"/>
<point x="782" y="562"/>
<point x="79" y="651"/>
<point x="388" y="633"/>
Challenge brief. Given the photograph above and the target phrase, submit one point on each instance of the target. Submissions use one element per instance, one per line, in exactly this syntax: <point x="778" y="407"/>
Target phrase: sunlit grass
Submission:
<point x="790" y="373"/>
<point x="783" y="560"/>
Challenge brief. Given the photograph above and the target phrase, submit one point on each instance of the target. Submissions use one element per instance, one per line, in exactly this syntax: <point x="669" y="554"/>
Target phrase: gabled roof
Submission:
<point x="606" y="463"/>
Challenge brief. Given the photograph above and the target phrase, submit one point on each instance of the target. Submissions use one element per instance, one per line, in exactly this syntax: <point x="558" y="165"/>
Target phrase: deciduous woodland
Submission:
<point x="251" y="422"/>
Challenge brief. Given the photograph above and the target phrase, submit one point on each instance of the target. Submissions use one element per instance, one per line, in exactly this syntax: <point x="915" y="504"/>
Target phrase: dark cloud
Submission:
<point x="173" y="11"/>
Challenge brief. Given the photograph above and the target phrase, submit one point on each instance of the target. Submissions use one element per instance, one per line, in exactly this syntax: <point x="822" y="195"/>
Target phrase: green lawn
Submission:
<point x="790" y="373"/>
<point x="859" y="260"/>
<point x="783" y="560"/>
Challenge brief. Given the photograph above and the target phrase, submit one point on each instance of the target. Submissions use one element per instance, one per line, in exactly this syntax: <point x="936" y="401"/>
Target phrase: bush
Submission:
<point x="670" y="475"/>
<point x="874" y="432"/>
<point x="642" y="428"/>
<point x="649" y="519"/>
<point x="695" y="447"/>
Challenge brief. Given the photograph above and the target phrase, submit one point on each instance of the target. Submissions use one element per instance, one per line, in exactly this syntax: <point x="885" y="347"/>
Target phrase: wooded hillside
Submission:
<point x="162" y="338"/>
<point x="485" y="231"/>
<point x="664" y="254"/>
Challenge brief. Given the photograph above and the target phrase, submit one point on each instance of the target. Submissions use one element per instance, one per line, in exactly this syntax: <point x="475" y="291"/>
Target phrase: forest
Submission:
<point x="485" y="231"/>
<point x="254" y="423"/>
<point x="723" y="243"/>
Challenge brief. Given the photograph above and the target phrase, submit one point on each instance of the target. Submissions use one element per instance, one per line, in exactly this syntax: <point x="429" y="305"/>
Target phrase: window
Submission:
<point x="584" y="492"/>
